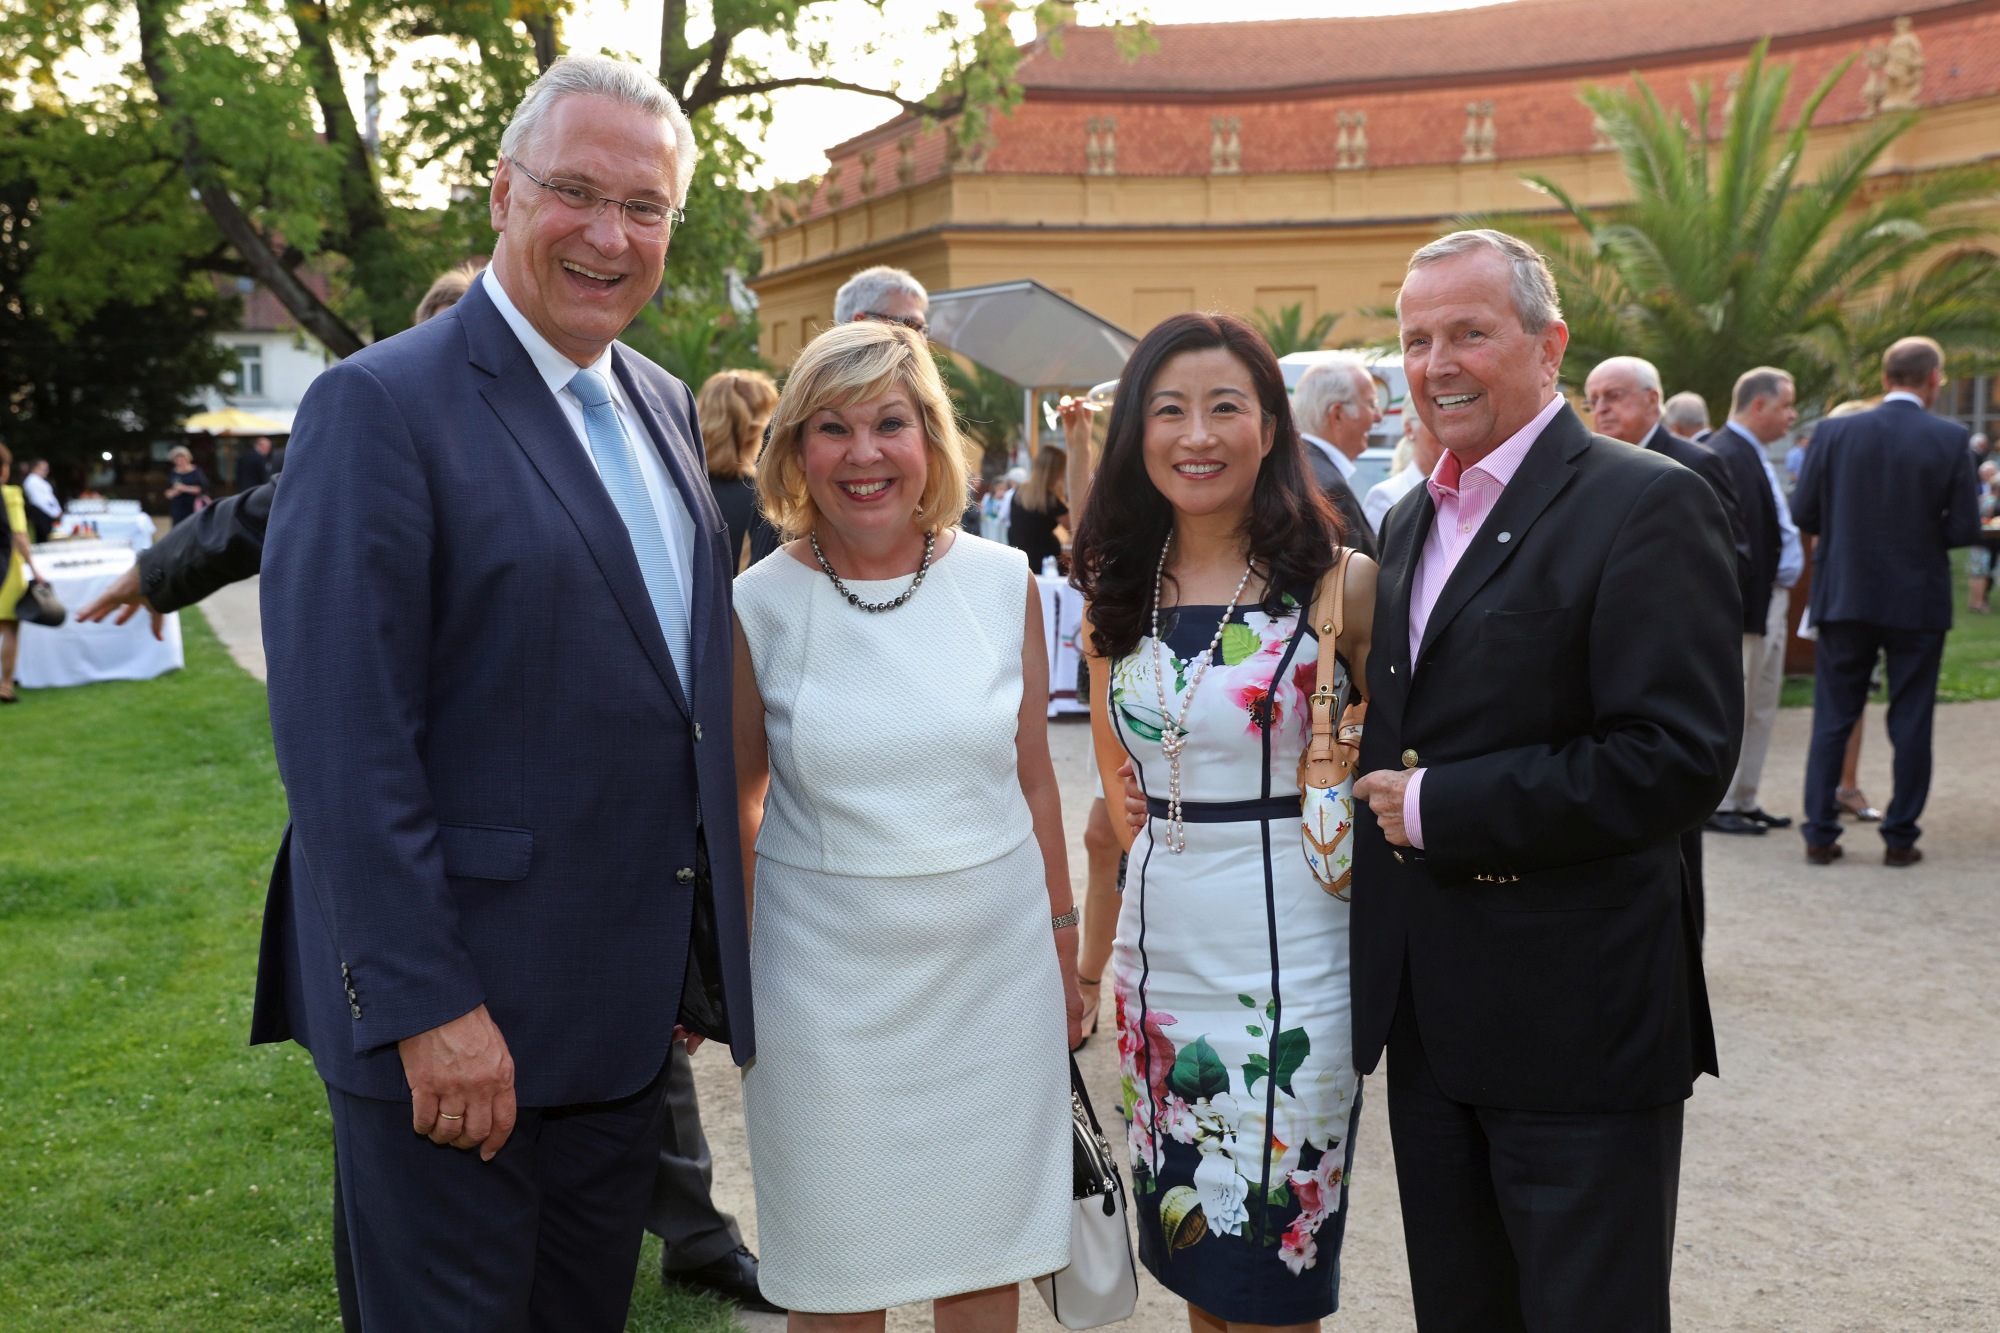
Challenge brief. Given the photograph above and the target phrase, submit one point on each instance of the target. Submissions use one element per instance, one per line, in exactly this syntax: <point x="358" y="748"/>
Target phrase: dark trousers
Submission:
<point x="40" y="525"/>
<point x="544" y="1237"/>
<point x="1846" y="656"/>
<point x="1530" y="1220"/>
<point x="682" y="1214"/>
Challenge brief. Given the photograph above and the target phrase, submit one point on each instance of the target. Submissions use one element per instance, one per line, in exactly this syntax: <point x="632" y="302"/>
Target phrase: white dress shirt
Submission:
<point x="1382" y="496"/>
<point x="1903" y="396"/>
<point x="676" y="525"/>
<point x="35" y="489"/>
<point x="1340" y="460"/>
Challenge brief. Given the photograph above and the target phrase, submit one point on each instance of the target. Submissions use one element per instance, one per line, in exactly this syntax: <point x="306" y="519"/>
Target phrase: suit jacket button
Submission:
<point x="354" y="1009"/>
<point x="697" y="731"/>
<point x="1410" y="759"/>
<point x="1398" y="855"/>
<point x="685" y="874"/>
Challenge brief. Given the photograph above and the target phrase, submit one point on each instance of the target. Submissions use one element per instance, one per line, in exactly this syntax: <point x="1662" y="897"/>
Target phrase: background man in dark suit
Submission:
<point x="1888" y="493"/>
<point x="1556" y="697"/>
<point x="253" y="465"/>
<point x="1761" y="415"/>
<point x="496" y="617"/>
<point x="1623" y="395"/>
<point x="1686" y="415"/>
<point x="1335" y="405"/>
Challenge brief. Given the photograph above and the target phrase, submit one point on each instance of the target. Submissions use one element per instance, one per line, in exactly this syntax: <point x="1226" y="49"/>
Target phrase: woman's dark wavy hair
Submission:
<point x="1293" y="528"/>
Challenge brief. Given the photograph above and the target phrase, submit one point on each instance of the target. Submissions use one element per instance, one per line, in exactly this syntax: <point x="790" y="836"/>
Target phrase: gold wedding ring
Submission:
<point x="442" y="1115"/>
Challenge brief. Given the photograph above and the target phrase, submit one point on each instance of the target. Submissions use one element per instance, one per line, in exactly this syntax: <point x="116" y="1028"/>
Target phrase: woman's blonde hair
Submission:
<point x="855" y="363"/>
<point x="180" y="451"/>
<point x="733" y="406"/>
<point x="1047" y="481"/>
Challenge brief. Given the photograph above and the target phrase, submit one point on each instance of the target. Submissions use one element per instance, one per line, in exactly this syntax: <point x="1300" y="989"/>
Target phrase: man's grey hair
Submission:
<point x="1638" y="367"/>
<point x="871" y="287"/>
<point x="1534" y="286"/>
<point x="1761" y="382"/>
<point x="621" y="81"/>
<point x="1334" y="381"/>
<point x="1686" y="412"/>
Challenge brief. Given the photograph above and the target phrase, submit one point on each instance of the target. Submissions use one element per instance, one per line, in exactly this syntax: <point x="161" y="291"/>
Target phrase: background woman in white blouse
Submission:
<point x="913" y="948"/>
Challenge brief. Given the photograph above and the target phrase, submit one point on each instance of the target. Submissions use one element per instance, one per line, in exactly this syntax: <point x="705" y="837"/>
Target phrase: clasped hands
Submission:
<point x="461" y="1079"/>
<point x="1382" y="790"/>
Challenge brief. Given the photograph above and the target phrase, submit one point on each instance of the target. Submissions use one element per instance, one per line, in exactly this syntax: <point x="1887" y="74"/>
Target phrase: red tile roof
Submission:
<point x="1515" y="37"/>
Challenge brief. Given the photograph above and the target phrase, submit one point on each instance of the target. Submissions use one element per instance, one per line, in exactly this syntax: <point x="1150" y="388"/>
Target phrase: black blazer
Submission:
<point x="1765" y="540"/>
<point x="1577" y="703"/>
<point x="1360" y="534"/>
<point x="1888" y="492"/>
<point x="1708" y="465"/>
<point x="222" y="544"/>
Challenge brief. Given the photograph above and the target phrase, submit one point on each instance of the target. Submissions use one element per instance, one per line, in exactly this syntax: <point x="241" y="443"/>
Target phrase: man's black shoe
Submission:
<point x="732" y="1277"/>
<point x="1767" y="819"/>
<point x="1728" y="821"/>
<point x="1824" y="854"/>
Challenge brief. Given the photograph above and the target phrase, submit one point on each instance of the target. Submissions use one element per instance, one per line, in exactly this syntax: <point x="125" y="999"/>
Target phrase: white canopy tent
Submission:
<point x="1037" y="338"/>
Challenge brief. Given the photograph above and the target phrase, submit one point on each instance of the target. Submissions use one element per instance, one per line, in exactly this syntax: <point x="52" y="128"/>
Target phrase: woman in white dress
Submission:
<point x="1200" y="548"/>
<point x="913" y="943"/>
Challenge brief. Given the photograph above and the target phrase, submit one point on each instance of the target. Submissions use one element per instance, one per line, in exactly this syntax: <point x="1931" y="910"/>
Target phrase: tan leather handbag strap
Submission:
<point x="1329" y="617"/>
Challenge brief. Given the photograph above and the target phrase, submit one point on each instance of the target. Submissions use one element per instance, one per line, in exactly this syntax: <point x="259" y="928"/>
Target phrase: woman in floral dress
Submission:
<point x="1198" y="550"/>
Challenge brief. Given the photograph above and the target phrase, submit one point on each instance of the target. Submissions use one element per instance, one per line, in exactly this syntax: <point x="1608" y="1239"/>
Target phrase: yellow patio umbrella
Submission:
<point x="232" y="421"/>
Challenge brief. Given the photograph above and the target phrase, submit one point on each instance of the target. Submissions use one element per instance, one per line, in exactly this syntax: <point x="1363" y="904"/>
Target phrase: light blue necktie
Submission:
<point x="619" y="467"/>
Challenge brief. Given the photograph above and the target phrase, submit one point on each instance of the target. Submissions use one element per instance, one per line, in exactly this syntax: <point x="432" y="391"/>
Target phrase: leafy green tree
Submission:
<point x="694" y="342"/>
<point x="1729" y="256"/>
<point x="989" y="409"/>
<point x="135" y="364"/>
<point x="1283" y="333"/>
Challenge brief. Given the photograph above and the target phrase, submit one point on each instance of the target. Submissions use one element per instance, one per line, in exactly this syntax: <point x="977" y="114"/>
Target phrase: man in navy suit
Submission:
<point x="1762" y="412"/>
<point x="497" y="621"/>
<point x="1888" y="492"/>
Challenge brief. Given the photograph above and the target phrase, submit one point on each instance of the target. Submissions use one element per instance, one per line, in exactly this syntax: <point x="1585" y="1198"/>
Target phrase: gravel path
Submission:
<point x="1843" y="1174"/>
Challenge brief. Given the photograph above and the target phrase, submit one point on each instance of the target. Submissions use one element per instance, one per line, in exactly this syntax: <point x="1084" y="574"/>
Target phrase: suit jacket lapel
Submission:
<point x="677" y="452"/>
<point x="520" y="398"/>
<point x="1544" y="472"/>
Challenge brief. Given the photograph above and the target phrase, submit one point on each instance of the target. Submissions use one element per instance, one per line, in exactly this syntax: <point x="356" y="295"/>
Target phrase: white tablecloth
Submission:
<point x="1062" y="623"/>
<point x="75" y="654"/>
<point x="134" y="530"/>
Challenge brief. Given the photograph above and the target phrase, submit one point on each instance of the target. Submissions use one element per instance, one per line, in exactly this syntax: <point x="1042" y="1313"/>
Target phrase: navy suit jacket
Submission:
<point x="1888" y="492"/>
<point x="495" y="779"/>
<point x="1763" y="537"/>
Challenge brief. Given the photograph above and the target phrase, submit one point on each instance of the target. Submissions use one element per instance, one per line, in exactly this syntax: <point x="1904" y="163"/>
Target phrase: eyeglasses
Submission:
<point x="1606" y="399"/>
<point x="914" y="323"/>
<point x="643" y="213"/>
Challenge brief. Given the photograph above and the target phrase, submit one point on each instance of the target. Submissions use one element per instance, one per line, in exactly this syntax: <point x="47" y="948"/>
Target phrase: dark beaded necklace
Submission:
<point x="854" y="599"/>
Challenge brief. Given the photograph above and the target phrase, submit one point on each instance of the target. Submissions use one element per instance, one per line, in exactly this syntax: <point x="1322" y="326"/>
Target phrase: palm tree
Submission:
<point x="1726" y="259"/>
<point x="1282" y="330"/>
<point x="989" y="408"/>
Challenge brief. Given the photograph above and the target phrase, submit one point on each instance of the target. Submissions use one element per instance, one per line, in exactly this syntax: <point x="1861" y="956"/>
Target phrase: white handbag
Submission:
<point x="1326" y="769"/>
<point x="1101" y="1284"/>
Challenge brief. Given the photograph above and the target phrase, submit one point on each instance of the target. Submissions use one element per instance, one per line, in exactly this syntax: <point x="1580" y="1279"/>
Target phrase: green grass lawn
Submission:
<point x="155" y="1171"/>
<point x="1971" y="667"/>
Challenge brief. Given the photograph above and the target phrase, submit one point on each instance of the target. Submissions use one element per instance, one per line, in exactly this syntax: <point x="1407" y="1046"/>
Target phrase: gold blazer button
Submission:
<point x="1410" y="759"/>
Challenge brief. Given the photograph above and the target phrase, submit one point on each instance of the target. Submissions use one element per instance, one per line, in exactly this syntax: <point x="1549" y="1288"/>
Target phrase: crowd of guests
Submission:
<point x="512" y="899"/>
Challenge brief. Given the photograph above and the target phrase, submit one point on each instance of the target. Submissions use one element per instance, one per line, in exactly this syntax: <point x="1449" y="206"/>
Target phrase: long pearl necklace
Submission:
<point x="854" y="598"/>
<point x="1174" y="730"/>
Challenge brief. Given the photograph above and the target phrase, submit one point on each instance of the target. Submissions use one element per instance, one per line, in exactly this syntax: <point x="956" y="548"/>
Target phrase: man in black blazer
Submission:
<point x="1556" y="697"/>
<point x="1888" y="492"/>
<point x="1762" y="412"/>
<point x="1623" y="395"/>
<point x="1335" y="405"/>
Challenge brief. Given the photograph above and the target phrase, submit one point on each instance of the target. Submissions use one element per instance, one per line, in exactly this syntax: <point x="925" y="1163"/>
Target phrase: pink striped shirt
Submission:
<point x="1463" y="498"/>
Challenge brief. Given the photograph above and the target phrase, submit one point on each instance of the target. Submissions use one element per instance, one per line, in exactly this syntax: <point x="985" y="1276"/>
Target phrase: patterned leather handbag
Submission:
<point x="1101" y="1285"/>
<point x="1326" y="769"/>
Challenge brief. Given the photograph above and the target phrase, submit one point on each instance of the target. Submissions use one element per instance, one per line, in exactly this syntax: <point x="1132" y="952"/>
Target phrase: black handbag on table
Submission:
<point x="39" y="605"/>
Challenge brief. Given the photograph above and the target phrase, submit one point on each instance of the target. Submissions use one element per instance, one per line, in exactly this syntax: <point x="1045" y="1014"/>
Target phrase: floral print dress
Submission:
<point x="1231" y="983"/>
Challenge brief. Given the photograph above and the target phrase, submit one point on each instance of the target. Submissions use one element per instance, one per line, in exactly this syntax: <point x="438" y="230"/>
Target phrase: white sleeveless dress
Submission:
<point x="908" y="1109"/>
<point x="1230" y="971"/>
